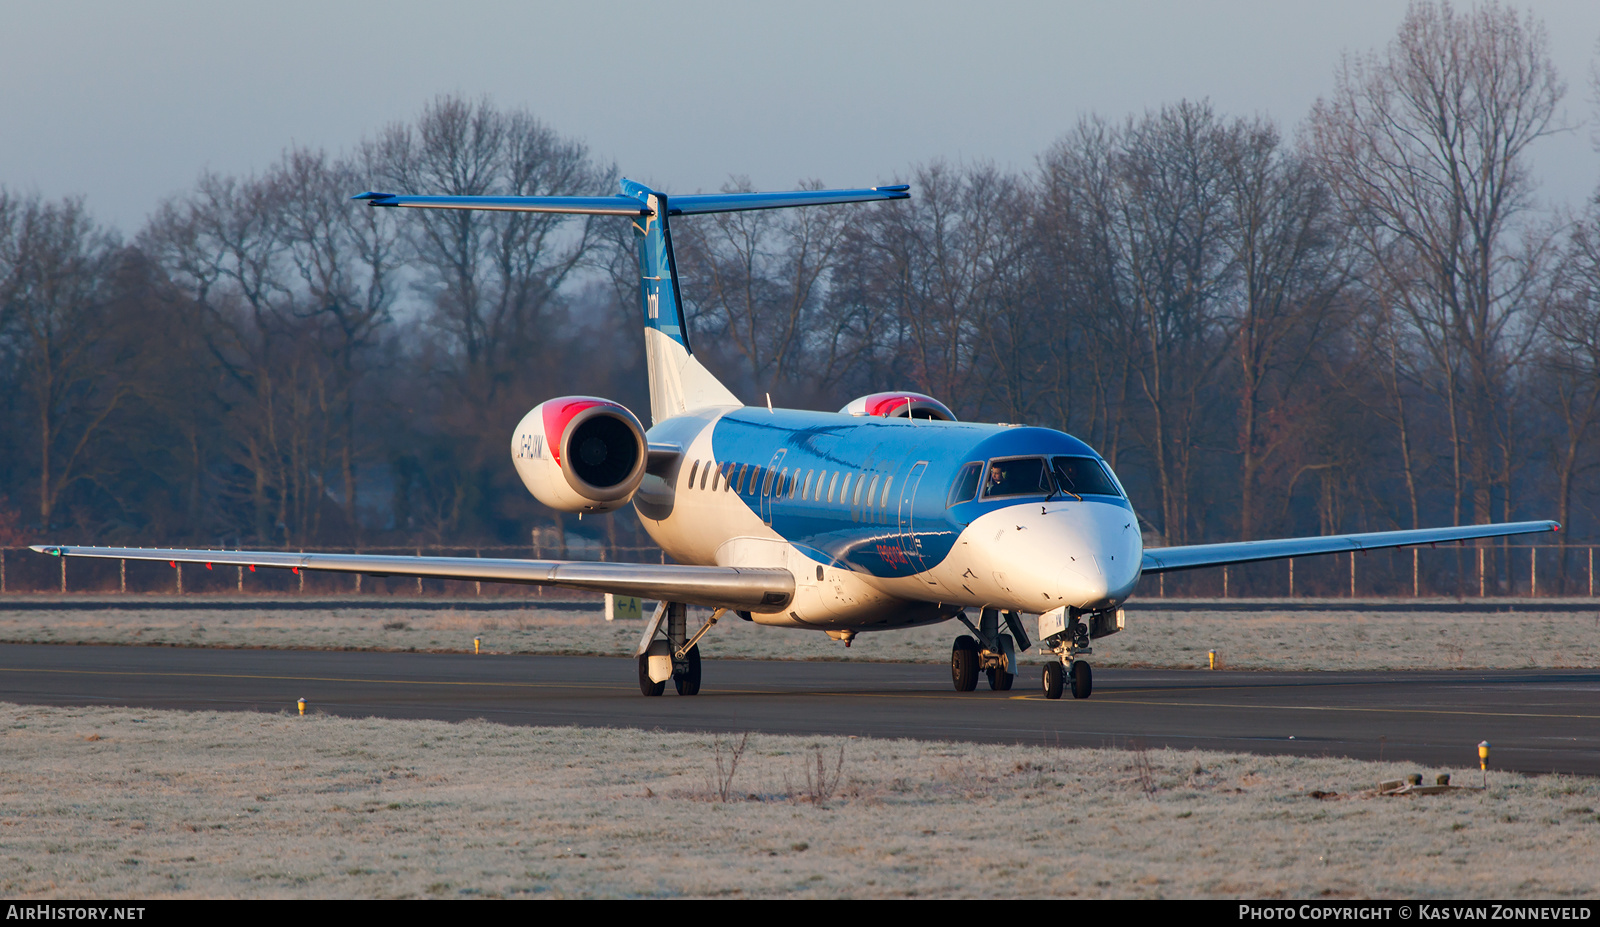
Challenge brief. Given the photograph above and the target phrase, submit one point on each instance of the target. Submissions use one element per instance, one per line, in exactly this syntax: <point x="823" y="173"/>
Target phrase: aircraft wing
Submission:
<point x="734" y="588"/>
<point x="1169" y="559"/>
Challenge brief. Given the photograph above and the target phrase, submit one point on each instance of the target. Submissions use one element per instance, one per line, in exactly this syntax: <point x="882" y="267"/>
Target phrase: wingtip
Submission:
<point x="374" y="196"/>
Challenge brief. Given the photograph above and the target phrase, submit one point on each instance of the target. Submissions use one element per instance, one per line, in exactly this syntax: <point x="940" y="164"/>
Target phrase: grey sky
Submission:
<point x="126" y="103"/>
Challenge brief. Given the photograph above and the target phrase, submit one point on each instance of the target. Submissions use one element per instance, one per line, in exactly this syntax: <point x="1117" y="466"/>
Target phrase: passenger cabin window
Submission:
<point x="965" y="488"/>
<point x="1084" y="476"/>
<point x="692" y="471"/>
<point x="1017" y="476"/>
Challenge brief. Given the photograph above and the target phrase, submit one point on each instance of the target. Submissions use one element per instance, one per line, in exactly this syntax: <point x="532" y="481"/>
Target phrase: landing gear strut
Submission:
<point x="1068" y="671"/>
<point x="987" y="650"/>
<point x="677" y="657"/>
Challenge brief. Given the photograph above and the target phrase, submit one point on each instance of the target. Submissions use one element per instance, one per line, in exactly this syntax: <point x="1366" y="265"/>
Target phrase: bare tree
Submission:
<point x="494" y="276"/>
<point x="1289" y="271"/>
<point x="56" y="329"/>
<point x="346" y="259"/>
<point x="1425" y="146"/>
<point x="757" y="281"/>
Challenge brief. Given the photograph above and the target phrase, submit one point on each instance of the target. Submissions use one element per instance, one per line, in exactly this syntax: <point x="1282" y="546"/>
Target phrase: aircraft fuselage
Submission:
<point x="868" y="515"/>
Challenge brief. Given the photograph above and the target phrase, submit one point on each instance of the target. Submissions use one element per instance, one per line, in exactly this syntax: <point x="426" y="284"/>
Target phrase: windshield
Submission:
<point x="1017" y="476"/>
<point x="1083" y="476"/>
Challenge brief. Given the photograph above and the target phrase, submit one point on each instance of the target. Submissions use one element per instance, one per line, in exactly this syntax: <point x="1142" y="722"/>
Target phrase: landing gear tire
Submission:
<point x="1000" y="680"/>
<point x="964" y="664"/>
<point x="647" y="687"/>
<point x="1082" y="679"/>
<point x="1052" y="679"/>
<point x="688" y="681"/>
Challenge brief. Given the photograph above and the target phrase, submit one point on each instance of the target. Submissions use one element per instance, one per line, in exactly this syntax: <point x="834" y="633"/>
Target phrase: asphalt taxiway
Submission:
<point x="1539" y="721"/>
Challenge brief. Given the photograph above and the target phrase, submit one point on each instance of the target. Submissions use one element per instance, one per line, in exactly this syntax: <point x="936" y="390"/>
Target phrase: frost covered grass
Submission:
<point x="98" y="802"/>
<point x="1280" y="639"/>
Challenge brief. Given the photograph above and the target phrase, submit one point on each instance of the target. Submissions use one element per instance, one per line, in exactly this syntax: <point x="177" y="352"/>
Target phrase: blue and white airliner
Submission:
<point x="886" y="514"/>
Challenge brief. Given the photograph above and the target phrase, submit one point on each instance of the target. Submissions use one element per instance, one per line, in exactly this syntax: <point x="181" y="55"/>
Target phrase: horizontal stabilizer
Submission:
<point x="696" y="203"/>
<point x="625" y="205"/>
<point x="581" y="205"/>
<point x="1169" y="559"/>
<point x="715" y="587"/>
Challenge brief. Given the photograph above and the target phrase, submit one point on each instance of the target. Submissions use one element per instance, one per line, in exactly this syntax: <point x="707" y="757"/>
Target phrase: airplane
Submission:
<point x="887" y="514"/>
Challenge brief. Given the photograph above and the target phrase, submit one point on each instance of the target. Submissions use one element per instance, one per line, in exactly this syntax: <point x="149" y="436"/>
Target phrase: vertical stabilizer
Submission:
<point x="678" y="382"/>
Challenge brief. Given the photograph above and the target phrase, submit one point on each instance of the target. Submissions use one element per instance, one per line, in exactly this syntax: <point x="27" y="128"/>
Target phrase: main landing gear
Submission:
<point x="677" y="656"/>
<point x="988" y="650"/>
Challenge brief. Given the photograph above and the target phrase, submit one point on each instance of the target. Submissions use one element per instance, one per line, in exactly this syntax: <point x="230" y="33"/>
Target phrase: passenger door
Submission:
<point x="909" y="544"/>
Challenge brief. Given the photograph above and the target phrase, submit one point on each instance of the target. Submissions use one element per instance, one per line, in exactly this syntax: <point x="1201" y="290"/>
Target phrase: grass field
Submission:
<point x="106" y="803"/>
<point x="1282" y="638"/>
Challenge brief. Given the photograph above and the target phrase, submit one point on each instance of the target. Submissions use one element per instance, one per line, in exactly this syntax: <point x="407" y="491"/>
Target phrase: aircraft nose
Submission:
<point x="1097" y="548"/>
<point x="1080" y="553"/>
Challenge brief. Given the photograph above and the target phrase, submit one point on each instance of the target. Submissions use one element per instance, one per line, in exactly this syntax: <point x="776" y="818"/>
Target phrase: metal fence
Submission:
<point x="1449" y="570"/>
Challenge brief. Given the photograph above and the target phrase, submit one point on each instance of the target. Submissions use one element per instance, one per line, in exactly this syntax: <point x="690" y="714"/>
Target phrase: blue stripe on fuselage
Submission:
<point x="873" y="538"/>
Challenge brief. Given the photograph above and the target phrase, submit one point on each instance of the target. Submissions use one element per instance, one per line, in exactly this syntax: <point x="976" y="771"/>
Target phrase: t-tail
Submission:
<point x="678" y="382"/>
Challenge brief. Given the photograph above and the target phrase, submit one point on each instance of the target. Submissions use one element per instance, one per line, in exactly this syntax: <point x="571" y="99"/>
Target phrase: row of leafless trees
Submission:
<point x="1371" y="324"/>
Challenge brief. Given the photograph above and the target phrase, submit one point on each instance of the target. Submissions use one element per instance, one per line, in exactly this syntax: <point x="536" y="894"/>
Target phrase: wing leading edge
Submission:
<point x="717" y="587"/>
<point x="1169" y="559"/>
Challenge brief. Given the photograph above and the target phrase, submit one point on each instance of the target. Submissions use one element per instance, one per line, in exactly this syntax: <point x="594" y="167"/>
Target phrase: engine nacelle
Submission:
<point x="900" y="405"/>
<point x="580" y="454"/>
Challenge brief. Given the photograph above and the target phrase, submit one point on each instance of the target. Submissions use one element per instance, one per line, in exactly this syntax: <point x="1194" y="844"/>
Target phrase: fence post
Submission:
<point x="180" y="579"/>
<point x="63" y="573"/>
<point x="1291" y="577"/>
<point x="1415" y="586"/>
<point x="1352" y="574"/>
<point x="1224" y="582"/>
<point x="1480" y="571"/>
<point x="302" y="574"/>
<point x="1533" y="571"/>
<point x="477" y="585"/>
<point x="1591" y="572"/>
<point x="419" y="579"/>
<point x="122" y="582"/>
<point x="3" y="571"/>
<point x="241" y="578"/>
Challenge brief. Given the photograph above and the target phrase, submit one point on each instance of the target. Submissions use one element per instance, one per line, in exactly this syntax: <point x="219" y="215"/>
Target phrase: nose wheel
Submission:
<point x="1067" y="673"/>
<point x="1082" y="679"/>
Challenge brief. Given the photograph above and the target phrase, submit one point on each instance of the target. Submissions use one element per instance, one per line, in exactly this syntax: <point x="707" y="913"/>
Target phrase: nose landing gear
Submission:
<point x="1069" y="643"/>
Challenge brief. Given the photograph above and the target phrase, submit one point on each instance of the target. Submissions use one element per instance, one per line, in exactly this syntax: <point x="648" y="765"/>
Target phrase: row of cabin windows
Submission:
<point x="744" y="478"/>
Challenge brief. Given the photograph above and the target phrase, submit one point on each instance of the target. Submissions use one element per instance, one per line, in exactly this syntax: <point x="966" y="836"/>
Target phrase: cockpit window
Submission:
<point x="1017" y="476"/>
<point x="1083" y="476"/>
<point x="965" y="487"/>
